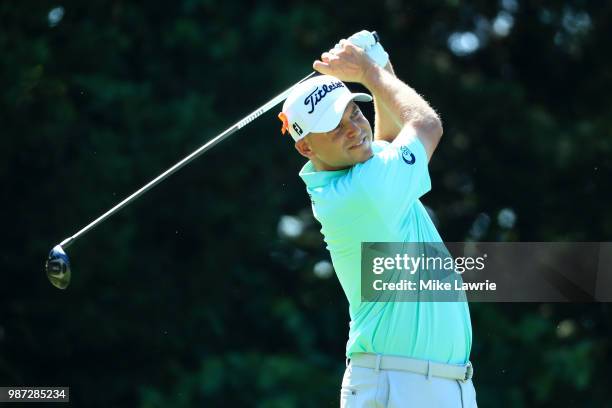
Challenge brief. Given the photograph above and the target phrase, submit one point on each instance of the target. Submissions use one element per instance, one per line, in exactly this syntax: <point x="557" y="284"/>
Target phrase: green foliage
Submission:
<point x="249" y="379"/>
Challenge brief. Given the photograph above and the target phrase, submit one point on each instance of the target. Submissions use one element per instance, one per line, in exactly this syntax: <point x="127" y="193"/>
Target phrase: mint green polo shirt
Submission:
<point x="378" y="201"/>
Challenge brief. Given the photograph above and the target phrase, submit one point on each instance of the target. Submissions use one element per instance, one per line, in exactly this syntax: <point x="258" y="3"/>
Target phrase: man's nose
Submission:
<point x="352" y="129"/>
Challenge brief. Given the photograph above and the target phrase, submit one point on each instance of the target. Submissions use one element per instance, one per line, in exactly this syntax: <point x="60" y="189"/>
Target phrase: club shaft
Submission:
<point x="188" y="159"/>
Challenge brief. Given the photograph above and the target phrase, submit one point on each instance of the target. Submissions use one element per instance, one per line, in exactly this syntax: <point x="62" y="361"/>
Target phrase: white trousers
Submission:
<point x="370" y="388"/>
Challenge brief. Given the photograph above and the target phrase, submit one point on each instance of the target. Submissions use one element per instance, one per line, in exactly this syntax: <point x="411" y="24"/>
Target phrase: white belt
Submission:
<point x="424" y="367"/>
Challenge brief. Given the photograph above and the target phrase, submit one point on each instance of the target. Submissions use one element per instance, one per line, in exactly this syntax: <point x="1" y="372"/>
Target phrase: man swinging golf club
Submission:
<point x="365" y="187"/>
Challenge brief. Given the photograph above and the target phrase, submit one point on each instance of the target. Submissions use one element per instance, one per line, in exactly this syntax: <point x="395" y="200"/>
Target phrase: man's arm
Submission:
<point x="385" y="126"/>
<point x="402" y="103"/>
<point x="405" y="106"/>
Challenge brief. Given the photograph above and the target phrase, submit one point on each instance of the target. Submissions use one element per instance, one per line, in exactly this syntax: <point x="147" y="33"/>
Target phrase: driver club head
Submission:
<point x="58" y="268"/>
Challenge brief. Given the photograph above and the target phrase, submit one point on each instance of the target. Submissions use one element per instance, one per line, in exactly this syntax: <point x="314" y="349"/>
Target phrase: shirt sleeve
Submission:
<point x="396" y="176"/>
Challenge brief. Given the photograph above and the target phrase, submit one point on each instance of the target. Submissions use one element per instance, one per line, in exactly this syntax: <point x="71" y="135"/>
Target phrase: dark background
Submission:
<point x="198" y="294"/>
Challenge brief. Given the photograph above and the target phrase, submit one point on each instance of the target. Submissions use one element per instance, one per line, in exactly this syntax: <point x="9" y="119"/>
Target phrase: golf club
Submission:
<point x="57" y="266"/>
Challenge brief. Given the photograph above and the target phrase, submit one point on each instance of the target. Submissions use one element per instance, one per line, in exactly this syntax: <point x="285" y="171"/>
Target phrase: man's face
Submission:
<point x="346" y="145"/>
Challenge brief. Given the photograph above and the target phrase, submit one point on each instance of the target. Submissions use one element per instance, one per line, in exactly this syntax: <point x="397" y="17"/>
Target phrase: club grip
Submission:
<point x="376" y="37"/>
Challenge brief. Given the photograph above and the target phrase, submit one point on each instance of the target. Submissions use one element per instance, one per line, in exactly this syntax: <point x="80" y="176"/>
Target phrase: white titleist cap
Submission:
<point x="317" y="105"/>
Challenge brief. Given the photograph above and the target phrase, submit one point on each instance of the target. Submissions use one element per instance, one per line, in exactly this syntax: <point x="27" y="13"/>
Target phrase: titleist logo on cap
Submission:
<point x="315" y="96"/>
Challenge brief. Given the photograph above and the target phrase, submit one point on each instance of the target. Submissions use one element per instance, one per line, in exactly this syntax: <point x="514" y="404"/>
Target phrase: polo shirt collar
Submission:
<point x="314" y="178"/>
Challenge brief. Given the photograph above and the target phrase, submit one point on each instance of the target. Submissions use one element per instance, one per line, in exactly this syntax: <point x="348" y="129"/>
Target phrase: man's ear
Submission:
<point x="303" y="148"/>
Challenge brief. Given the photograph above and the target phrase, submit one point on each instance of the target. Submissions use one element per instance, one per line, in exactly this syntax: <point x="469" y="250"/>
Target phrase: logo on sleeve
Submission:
<point x="407" y="155"/>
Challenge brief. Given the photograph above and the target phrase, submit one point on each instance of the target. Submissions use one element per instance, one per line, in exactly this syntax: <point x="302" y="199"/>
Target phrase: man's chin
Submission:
<point x="364" y="154"/>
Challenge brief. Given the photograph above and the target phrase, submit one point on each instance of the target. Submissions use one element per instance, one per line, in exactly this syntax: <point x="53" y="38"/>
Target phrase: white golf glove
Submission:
<point x="365" y="40"/>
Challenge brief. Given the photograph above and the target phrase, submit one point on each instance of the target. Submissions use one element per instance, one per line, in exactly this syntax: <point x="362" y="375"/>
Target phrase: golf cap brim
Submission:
<point x="332" y="117"/>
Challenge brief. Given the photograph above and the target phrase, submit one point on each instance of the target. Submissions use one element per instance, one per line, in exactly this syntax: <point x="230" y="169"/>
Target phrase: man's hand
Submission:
<point x="347" y="62"/>
<point x="365" y="40"/>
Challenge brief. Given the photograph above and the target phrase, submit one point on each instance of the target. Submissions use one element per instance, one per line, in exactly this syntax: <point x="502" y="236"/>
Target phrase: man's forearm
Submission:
<point x="404" y="106"/>
<point x="385" y="126"/>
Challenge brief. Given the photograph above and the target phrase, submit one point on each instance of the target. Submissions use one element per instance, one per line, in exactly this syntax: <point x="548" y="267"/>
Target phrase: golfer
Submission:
<point x="365" y="186"/>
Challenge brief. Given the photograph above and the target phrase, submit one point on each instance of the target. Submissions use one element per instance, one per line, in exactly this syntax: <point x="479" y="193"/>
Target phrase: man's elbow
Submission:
<point x="429" y="131"/>
<point x="431" y="128"/>
<point x="436" y="128"/>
